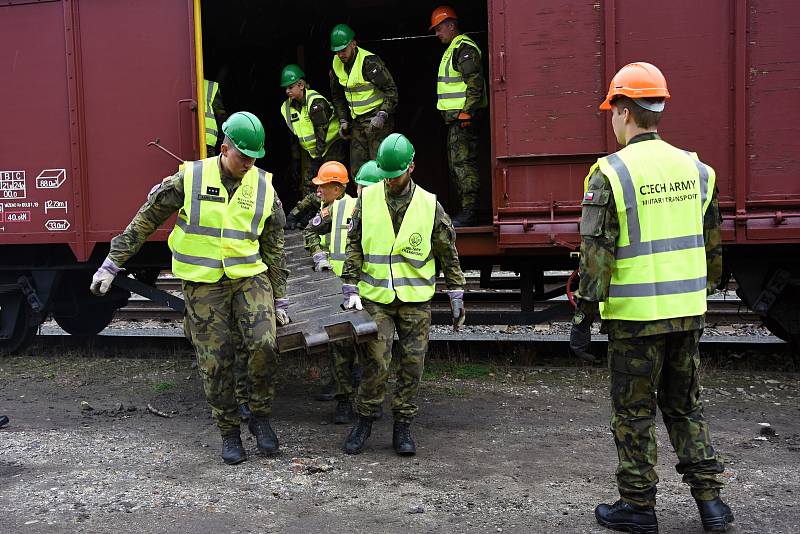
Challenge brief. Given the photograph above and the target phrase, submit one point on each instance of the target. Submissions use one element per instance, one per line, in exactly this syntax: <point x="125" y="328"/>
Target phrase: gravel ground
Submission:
<point x="500" y="450"/>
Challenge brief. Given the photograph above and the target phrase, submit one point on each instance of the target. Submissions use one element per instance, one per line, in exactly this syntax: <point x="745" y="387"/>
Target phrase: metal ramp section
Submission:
<point x="315" y="306"/>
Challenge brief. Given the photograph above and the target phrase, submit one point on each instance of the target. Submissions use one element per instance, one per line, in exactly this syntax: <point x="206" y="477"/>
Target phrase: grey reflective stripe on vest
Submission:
<point x="209" y="104"/>
<point x="397" y="282"/>
<point x="194" y="227"/>
<point x="287" y="113"/>
<point x="374" y="98"/>
<point x="242" y="260"/>
<point x="458" y="94"/>
<point x="447" y="78"/>
<point x="336" y="238"/>
<point x="383" y="259"/>
<point x="200" y="261"/>
<point x="655" y="289"/>
<point x="637" y="247"/>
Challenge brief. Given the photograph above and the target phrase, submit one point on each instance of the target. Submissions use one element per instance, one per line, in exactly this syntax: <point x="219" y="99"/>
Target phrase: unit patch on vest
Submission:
<point x="414" y="241"/>
<point x="295" y="117"/>
<point x="663" y="191"/>
<point x="212" y="190"/>
<point x="247" y="191"/>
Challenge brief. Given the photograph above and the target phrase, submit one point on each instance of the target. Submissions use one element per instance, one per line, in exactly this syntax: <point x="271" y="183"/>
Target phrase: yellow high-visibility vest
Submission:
<point x="362" y="96"/>
<point x="214" y="234"/>
<point x="662" y="194"/>
<point x="336" y="239"/>
<point x="210" y="88"/>
<point x="399" y="265"/>
<point x="451" y="91"/>
<point x="299" y="123"/>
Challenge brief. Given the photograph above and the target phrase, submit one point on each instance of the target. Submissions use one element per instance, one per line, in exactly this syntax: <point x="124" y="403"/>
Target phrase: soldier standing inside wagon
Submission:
<point x="398" y="233"/>
<point x="460" y="96"/>
<point x="227" y="249"/>
<point x="214" y="116"/>
<point x="364" y="95"/>
<point x="650" y="253"/>
<point x="313" y="122"/>
<point x="325" y="239"/>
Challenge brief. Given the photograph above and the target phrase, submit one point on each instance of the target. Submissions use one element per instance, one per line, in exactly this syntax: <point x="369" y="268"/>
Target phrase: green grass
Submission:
<point x="163" y="386"/>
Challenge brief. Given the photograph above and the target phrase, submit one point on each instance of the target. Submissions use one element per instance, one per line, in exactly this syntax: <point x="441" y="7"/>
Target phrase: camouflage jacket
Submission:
<point x="168" y="197"/>
<point x="320" y="113"/>
<point x="318" y="227"/>
<point x="600" y="229"/>
<point x="467" y="61"/>
<point x="375" y="71"/>
<point x="443" y="240"/>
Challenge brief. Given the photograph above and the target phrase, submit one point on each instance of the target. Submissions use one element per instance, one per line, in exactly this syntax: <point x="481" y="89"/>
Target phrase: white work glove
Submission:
<point x="321" y="262"/>
<point x="102" y="279"/>
<point x="282" y="312"/>
<point x="344" y="129"/>
<point x="457" y="308"/>
<point x="352" y="300"/>
<point x="377" y="122"/>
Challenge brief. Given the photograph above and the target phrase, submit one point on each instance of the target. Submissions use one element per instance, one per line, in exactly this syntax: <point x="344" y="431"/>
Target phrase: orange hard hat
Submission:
<point x="331" y="171"/>
<point x="638" y="80"/>
<point x="441" y="14"/>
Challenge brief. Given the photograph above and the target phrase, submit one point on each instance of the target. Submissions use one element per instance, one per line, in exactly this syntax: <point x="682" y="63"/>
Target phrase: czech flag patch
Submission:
<point x="589" y="195"/>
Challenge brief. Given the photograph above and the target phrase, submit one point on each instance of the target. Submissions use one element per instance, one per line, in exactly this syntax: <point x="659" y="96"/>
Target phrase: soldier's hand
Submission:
<point x="344" y="129"/>
<point x="378" y="121"/>
<point x="102" y="279"/>
<point x="457" y="308"/>
<point x="464" y="120"/>
<point x="352" y="300"/>
<point x="321" y="262"/>
<point x="282" y="311"/>
<point x="580" y="336"/>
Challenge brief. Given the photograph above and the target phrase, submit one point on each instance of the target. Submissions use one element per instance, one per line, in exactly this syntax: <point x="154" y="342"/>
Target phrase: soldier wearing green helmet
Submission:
<point x="398" y="234"/>
<point x="233" y="278"/>
<point x="315" y="129"/>
<point x="364" y="96"/>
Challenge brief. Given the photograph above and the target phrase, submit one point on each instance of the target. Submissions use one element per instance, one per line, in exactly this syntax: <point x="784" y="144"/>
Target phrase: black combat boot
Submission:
<point x="715" y="515"/>
<point x="344" y="412"/>
<point x="465" y="218"/>
<point x="232" y="450"/>
<point x="265" y="437"/>
<point x="244" y="412"/>
<point x="626" y="517"/>
<point x="327" y="392"/>
<point x="402" y="441"/>
<point x="355" y="442"/>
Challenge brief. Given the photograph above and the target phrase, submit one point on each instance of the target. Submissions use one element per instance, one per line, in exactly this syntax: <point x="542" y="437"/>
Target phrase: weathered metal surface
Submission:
<point x="315" y="306"/>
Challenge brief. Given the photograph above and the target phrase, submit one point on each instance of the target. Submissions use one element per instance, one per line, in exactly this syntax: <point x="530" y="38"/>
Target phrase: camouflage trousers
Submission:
<point x="239" y="364"/>
<point x="462" y="160"/>
<point x="364" y="141"/>
<point x="344" y="356"/>
<point x="309" y="203"/>
<point x="214" y="313"/>
<point x="413" y="323"/>
<point x="660" y="370"/>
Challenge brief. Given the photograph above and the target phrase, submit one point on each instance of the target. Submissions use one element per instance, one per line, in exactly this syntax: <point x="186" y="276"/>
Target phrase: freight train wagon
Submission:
<point x="94" y="90"/>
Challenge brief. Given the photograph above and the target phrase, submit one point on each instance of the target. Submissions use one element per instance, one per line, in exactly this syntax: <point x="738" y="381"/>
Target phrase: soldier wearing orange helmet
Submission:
<point x="650" y="253"/>
<point x="325" y="238"/>
<point x="460" y="97"/>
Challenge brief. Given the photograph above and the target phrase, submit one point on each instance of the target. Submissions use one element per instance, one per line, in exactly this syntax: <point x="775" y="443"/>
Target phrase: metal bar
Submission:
<point x="740" y="113"/>
<point x="150" y="292"/>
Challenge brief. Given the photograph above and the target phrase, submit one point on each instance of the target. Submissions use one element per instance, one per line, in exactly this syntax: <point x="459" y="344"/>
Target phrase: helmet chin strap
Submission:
<point x="649" y="105"/>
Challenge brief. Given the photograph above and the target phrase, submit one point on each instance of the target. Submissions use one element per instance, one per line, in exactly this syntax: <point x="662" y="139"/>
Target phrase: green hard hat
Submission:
<point x="291" y="73"/>
<point x="368" y="174"/>
<point x="395" y="154"/>
<point x="246" y="132"/>
<point x="341" y="35"/>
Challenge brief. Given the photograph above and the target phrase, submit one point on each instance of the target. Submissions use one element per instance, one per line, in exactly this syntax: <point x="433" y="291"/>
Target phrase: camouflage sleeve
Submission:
<point x="351" y="273"/>
<point x="443" y="244"/>
<point x="467" y="61"/>
<point x="315" y="229"/>
<point x="599" y="231"/>
<point x="219" y="109"/>
<point x="712" y="235"/>
<point x="375" y="71"/>
<point x="338" y="98"/>
<point x="162" y="201"/>
<point x="320" y="113"/>
<point x="272" y="249"/>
